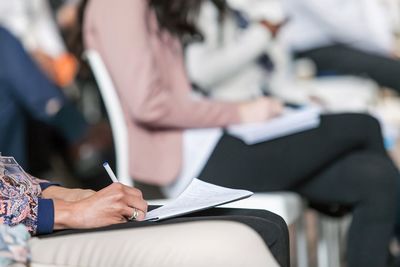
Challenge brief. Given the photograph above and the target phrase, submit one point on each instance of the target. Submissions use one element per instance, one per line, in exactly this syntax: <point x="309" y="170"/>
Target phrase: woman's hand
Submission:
<point x="70" y="195"/>
<point x="260" y="109"/>
<point x="111" y="205"/>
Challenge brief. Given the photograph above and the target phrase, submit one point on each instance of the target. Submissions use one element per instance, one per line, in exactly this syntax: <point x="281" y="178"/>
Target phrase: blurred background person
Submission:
<point x="352" y="37"/>
<point x="141" y="45"/>
<point x="33" y="23"/>
<point x="26" y="93"/>
<point x="235" y="59"/>
<point x="227" y="63"/>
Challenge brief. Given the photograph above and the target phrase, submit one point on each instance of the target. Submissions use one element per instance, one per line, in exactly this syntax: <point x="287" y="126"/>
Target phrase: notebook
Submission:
<point x="293" y="120"/>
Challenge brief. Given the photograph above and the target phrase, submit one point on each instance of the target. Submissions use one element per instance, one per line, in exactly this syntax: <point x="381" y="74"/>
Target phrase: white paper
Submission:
<point x="290" y="122"/>
<point x="198" y="196"/>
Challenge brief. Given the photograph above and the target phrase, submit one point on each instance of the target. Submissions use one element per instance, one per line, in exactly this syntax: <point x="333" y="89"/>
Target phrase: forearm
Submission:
<point x="183" y="112"/>
<point x="66" y="194"/>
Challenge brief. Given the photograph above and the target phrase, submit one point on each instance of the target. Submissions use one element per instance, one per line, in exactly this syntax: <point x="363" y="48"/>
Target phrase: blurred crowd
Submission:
<point x="342" y="56"/>
<point x="334" y="54"/>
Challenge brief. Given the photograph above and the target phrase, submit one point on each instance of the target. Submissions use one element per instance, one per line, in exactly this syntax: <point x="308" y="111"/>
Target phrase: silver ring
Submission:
<point x="135" y="214"/>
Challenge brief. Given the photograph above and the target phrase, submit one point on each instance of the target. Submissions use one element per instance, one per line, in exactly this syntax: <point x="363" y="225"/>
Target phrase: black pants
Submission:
<point x="344" y="60"/>
<point x="340" y="164"/>
<point x="269" y="226"/>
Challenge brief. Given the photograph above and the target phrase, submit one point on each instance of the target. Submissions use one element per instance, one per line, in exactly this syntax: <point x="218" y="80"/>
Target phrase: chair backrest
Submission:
<point x="115" y="114"/>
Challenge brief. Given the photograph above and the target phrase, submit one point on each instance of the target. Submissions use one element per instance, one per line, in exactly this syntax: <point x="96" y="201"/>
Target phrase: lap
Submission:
<point x="265" y="222"/>
<point x="205" y="243"/>
<point x="284" y="163"/>
<point x="270" y="227"/>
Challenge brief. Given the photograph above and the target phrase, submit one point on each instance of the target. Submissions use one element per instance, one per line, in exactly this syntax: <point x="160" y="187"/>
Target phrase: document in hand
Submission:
<point x="197" y="196"/>
<point x="293" y="120"/>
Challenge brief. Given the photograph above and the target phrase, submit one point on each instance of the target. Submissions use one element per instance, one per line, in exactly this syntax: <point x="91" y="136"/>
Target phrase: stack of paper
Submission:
<point x="197" y="196"/>
<point x="290" y="122"/>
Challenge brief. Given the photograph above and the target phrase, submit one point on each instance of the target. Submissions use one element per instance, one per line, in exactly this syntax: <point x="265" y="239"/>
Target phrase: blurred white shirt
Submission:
<point x="363" y="24"/>
<point x="32" y="22"/>
<point x="225" y="63"/>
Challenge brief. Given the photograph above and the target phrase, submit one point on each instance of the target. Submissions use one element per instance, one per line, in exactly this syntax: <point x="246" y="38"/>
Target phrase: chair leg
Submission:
<point x="301" y="243"/>
<point x="328" y="254"/>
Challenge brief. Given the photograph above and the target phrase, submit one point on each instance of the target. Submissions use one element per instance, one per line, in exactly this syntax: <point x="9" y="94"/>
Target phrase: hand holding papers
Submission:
<point x="198" y="196"/>
<point x="290" y="122"/>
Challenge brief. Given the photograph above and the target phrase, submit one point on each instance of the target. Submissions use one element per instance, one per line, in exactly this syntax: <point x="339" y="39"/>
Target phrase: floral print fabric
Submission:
<point x="19" y="195"/>
<point x="14" y="249"/>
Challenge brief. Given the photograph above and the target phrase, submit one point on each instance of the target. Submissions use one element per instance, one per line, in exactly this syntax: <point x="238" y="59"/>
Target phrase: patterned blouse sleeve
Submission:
<point x="21" y="203"/>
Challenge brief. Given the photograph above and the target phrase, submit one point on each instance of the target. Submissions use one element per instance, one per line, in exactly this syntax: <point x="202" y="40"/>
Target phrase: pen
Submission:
<point x="110" y="172"/>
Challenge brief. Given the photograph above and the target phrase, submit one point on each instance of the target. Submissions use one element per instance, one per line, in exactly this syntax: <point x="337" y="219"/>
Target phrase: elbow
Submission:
<point x="145" y="119"/>
<point x="149" y="114"/>
<point x="151" y="106"/>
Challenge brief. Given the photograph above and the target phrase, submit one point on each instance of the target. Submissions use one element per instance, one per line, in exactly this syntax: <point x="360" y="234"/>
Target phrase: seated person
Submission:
<point x="344" y="38"/>
<point x="112" y="232"/>
<point x="342" y="163"/>
<point x="233" y="61"/>
<point x="225" y="64"/>
<point x="25" y="92"/>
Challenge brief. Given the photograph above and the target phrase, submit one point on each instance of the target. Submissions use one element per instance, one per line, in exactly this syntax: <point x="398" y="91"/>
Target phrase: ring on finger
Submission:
<point x="135" y="214"/>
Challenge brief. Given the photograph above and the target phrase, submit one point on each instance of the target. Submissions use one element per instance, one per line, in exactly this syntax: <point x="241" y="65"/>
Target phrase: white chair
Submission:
<point x="115" y="113"/>
<point x="288" y="205"/>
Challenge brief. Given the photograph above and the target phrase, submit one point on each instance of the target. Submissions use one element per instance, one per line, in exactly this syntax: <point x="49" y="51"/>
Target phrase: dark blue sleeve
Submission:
<point x="45" y="217"/>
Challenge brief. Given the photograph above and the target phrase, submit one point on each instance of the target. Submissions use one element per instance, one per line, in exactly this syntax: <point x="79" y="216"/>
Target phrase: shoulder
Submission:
<point x="108" y="10"/>
<point x="115" y="19"/>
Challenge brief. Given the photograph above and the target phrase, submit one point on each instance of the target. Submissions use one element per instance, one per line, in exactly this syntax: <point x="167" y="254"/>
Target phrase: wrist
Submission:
<point x="64" y="217"/>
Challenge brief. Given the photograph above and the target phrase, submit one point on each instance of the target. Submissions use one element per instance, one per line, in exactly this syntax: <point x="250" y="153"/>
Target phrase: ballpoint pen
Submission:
<point x="110" y="172"/>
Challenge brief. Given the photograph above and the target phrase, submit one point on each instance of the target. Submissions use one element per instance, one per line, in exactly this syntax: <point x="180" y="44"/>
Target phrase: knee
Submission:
<point x="379" y="177"/>
<point x="274" y="220"/>
<point x="354" y="126"/>
<point x="364" y="122"/>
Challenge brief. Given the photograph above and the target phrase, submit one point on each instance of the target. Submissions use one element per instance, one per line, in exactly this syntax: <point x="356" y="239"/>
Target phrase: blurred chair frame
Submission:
<point x="288" y="205"/>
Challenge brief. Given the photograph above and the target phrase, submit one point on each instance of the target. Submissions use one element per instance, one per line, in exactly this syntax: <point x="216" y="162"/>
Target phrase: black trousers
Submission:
<point x="269" y="226"/>
<point x="341" y="164"/>
<point x="344" y="60"/>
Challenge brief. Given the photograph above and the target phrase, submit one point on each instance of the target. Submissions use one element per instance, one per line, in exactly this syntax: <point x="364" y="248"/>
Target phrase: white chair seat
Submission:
<point x="287" y="205"/>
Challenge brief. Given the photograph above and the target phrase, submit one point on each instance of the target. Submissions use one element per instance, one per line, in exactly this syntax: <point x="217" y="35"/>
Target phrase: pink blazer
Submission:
<point x="146" y="65"/>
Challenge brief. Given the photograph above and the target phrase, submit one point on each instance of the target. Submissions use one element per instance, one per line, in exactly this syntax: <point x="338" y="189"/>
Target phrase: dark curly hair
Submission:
<point x="178" y="16"/>
<point x="175" y="16"/>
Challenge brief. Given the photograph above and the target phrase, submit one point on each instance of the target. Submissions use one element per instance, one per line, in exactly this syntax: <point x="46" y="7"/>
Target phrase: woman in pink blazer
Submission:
<point x="340" y="166"/>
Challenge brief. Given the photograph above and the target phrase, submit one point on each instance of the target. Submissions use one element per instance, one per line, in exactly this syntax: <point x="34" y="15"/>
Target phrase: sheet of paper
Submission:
<point x="290" y="122"/>
<point x="198" y="196"/>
